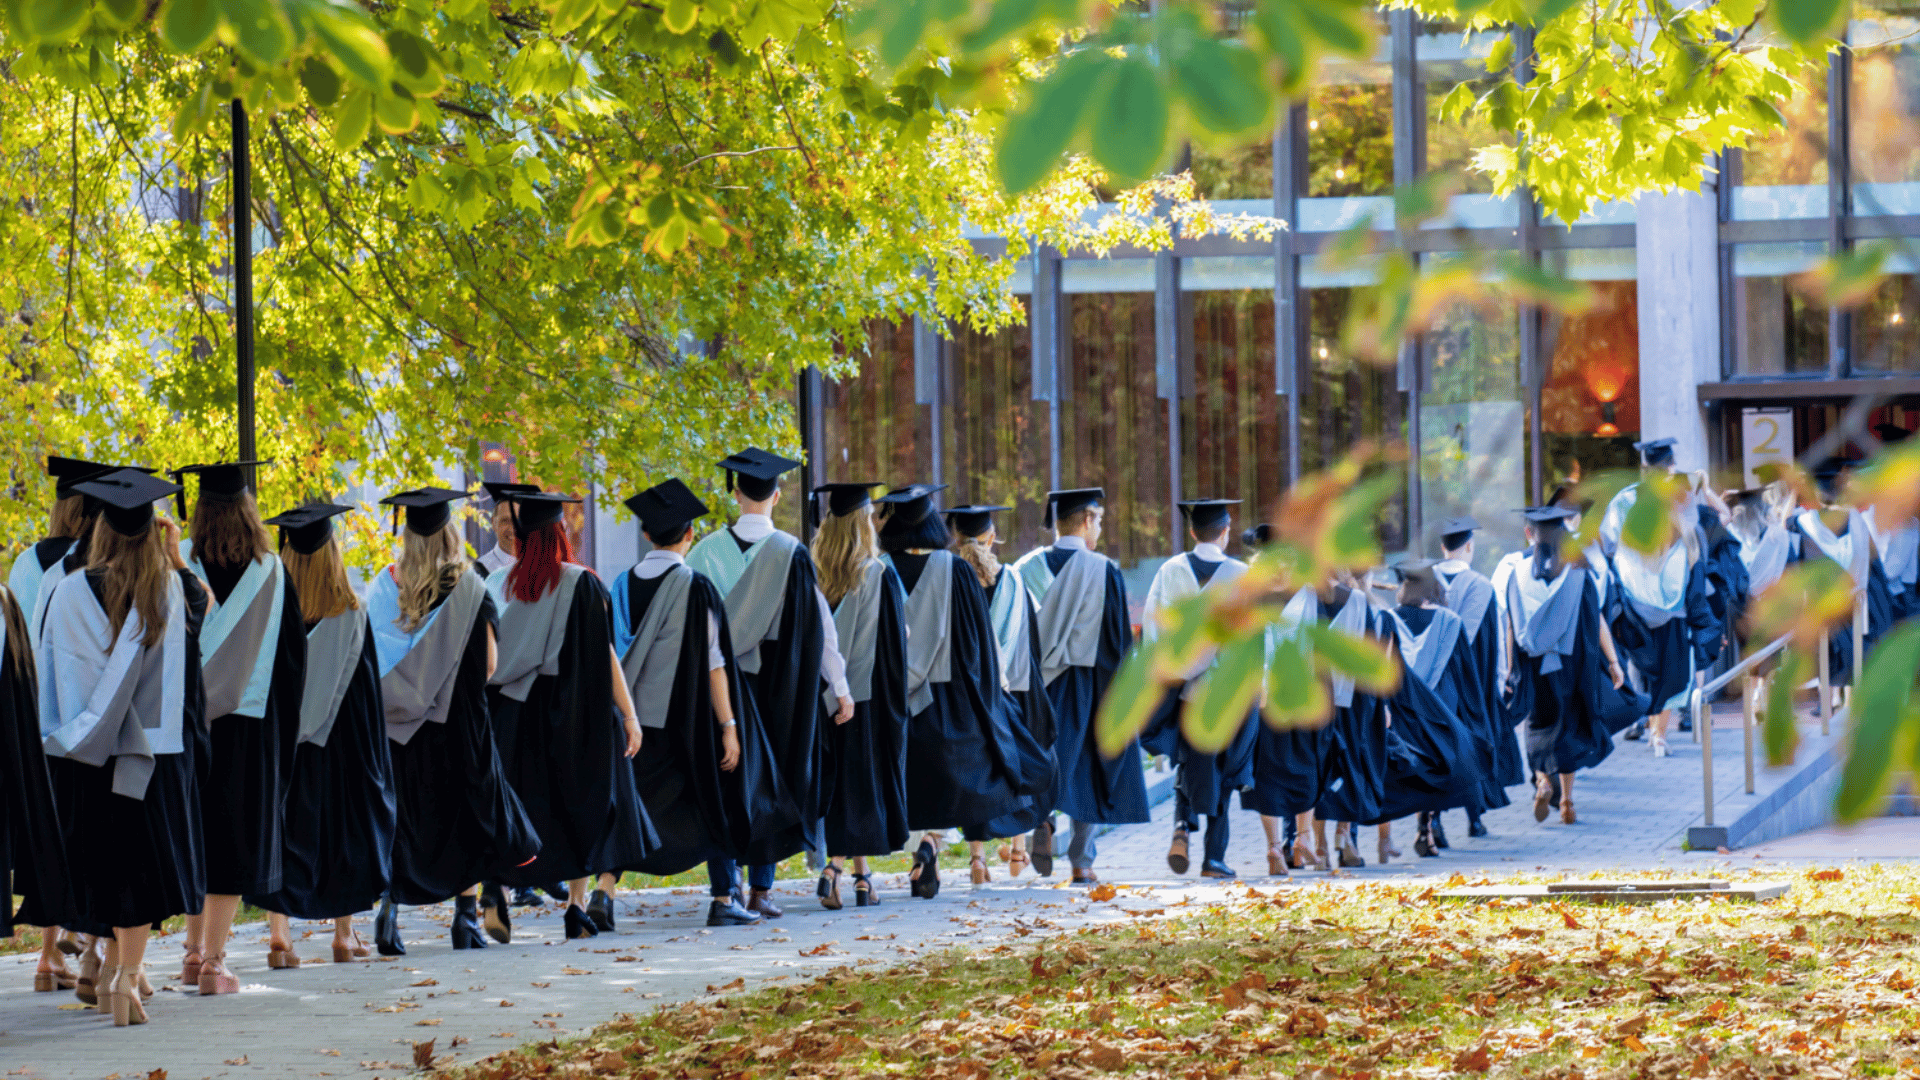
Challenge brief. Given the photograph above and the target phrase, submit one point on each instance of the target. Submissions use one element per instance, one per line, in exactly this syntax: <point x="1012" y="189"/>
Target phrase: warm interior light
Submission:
<point x="1607" y="431"/>
<point x="1895" y="319"/>
<point x="1323" y="352"/>
<point x="495" y="455"/>
<point x="1313" y="125"/>
<point x="1339" y="174"/>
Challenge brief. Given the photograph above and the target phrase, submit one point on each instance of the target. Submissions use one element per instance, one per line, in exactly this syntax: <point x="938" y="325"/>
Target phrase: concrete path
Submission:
<point x="362" y="1020"/>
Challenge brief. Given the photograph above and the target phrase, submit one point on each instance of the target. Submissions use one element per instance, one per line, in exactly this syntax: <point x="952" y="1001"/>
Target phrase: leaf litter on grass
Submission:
<point x="1348" y="982"/>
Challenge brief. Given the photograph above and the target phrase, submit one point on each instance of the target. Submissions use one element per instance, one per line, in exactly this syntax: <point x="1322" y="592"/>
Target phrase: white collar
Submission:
<point x="1209" y="552"/>
<point x="1071" y="543"/>
<point x="657" y="562"/>
<point x="753" y="528"/>
<point x="1450" y="566"/>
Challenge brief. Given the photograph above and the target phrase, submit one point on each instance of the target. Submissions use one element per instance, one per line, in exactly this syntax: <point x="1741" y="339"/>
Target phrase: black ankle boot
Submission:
<point x="466" y="923"/>
<point x="578" y="925"/>
<point x="600" y="911"/>
<point x="494" y="913"/>
<point x="1439" y="834"/>
<point x="386" y="930"/>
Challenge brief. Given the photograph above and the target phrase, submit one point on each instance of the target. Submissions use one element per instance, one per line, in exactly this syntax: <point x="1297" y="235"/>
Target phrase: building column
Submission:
<point x="1677" y="255"/>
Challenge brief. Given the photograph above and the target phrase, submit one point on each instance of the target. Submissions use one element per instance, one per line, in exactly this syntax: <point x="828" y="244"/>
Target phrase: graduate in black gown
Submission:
<point x="1204" y="783"/>
<point x="1289" y="761"/>
<point x="969" y="758"/>
<point x="788" y="649"/>
<point x="1013" y="617"/>
<point x="564" y="720"/>
<point x="32" y="854"/>
<point x="253" y="667"/>
<point x="1567" y="682"/>
<point x="704" y="770"/>
<point x="1471" y="596"/>
<point x="1833" y="530"/>
<point x="864" y="772"/>
<point x="458" y="820"/>
<point x="1084" y="636"/>
<point x="1897" y="543"/>
<point x="338" y="854"/>
<point x="1452" y="727"/>
<point x="119" y="669"/>
<point x="1355" y="745"/>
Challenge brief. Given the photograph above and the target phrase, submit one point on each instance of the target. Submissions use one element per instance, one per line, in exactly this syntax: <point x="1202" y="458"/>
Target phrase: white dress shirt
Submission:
<point x="1072" y="543"/>
<point x="754" y="528"/>
<point x="659" y="561"/>
<point x="1209" y="553"/>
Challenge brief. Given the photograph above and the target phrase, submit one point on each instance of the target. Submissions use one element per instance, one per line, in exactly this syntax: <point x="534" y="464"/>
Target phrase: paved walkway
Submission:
<point x="362" y="1020"/>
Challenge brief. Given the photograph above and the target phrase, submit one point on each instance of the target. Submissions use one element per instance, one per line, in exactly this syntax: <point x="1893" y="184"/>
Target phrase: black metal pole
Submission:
<point x="242" y="180"/>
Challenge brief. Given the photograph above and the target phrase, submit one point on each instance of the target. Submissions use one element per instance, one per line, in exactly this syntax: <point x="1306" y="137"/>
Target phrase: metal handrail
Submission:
<point x="1702" y="722"/>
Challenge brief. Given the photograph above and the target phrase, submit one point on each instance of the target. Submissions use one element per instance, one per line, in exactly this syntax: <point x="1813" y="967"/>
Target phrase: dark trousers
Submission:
<point x="1219" y="828"/>
<point x="723" y="876"/>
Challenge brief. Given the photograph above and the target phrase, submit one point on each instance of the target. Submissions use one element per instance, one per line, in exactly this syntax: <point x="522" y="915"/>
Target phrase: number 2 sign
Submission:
<point x="1766" y="438"/>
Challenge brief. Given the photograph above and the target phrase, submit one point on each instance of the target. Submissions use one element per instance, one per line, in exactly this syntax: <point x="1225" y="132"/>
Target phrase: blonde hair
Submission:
<point x="429" y="568"/>
<point x="228" y="531"/>
<point x="977" y="552"/>
<point x="134" y="573"/>
<point x="18" y="654"/>
<point x="841" y="551"/>
<point x="320" y="581"/>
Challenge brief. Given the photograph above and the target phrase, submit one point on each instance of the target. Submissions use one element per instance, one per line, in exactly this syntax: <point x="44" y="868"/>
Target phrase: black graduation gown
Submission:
<point x="31" y="848"/>
<point x="1206" y="781"/>
<point x="1879" y="605"/>
<point x="700" y="812"/>
<point x="1483" y="653"/>
<point x="790" y="693"/>
<point x="338" y="857"/>
<point x="970" y="759"/>
<point x="863" y="781"/>
<point x="1289" y="765"/>
<point x="460" y="821"/>
<point x="1727" y="574"/>
<point x="564" y="749"/>
<point x="1355" y="745"/>
<point x="1438" y="759"/>
<point x="1660" y="653"/>
<point x="1034" y="711"/>
<point x="1463" y="688"/>
<point x="1573" y="713"/>
<point x="243" y="784"/>
<point x="135" y="862"/>
<point x="1108" y="791"/>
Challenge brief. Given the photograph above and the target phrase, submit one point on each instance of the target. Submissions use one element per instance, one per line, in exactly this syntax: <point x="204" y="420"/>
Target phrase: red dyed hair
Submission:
<point x="537" y="567"/>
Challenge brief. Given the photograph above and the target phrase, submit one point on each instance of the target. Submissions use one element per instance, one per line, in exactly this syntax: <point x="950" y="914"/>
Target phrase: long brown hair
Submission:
<point x="228" y="531"/>
<point x="19" y="653"/>
<point x="977" y="551"/>
<point x="429" y="568"/>
<point x="134" y="572"/>
<point x="320" y="581"/>
<point x="842" y="549"/>
<point x="70" y="519"/>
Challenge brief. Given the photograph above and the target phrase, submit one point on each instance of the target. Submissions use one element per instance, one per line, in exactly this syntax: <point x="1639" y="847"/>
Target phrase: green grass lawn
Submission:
<point x="1357" y="982"/>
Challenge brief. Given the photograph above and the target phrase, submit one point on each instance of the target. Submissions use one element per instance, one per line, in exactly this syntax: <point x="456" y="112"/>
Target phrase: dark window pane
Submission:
<point x="1785" y="174"/>
<point x="1113" y="425"/>
<point x="1232" y="433"/>
<point x="1344" y="401"/>
<point x="1473" y="429"/>
<point x="1777" y="329"/>
<point x="1242" y="173"/>
<point x="1590" y="403"/>
<point x="1446" y="58"/>
<point x="1886" y="329"/>
<point x="1885" y="109"/>
<point x="999" y="433"/>
<point x="874" y="430"/>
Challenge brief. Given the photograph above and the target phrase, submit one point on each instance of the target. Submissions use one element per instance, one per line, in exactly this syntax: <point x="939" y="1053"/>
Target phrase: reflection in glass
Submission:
<point x="1232" y="430"/>
<point x="1113" y="425"/>
<point x="1777" y="328"/>
<point x="1885" y="110"/>
<point x="1446" y="58"/>
<point x="1349" y="146"/>
<point x="1473" y="428"/>
<point x="1886" y="328"/>
<point x="999" y="433"/>
<point x="1241" y="173"/>
<point x="874" y="430"/>
<point x="1785" y="174"/>
<point x="1590" y="401"/>
<point x="1343" y="401"/>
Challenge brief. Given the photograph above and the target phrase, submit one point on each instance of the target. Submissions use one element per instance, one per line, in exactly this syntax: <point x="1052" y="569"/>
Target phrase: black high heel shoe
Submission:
<point x="578" y="925"/>
<point x="925" y="876"/>
<point x="494" y="913"/>
<point x="600" y="911"/>
<point x="386" y="929"/>
<point x="465" y="930"/>
<point x="864" y="894"/>
<point x="828" y="888"/>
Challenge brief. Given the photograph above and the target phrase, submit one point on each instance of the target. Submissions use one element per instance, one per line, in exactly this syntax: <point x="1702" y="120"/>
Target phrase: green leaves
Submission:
<point x="1131" y="698"/>
<point x="1033" y="139"/>
<point x="1130" y="121"/>
<point x="1649" y="526"/>
<point x="261" y="30"/>
<point x="1805" y="22"/>
<point x="188" y="25"/>
<point x="1295" y="697"/>
<point x="1222" y="85"/>
<point x="1223" y="695"/>
<point x="1366" y="662"/>
<point x="52" y="19"/>
<point x="1885" y="728"/>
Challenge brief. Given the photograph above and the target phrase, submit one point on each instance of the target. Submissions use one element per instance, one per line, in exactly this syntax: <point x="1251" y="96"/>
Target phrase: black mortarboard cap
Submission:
<point x="1890" y="433"/>
<point x="1656" y="452"/>
<point x="218" y="480"/>
<point x="1258" y="536"/>
<point x="498" y="490"/>
<point x="1208" y="513"/>
<point x="666" y="507"/>
<point x="427" y="508"/>
<point x="1416" y="569"/>
<point x="973" y="520"/>
<point x="1454" y="532"/>
<point x="1745" y="495"/>
<point x="531" y="510"/>
<point x="308" y="528"/>
<point x="1827" y="475"/>
<point x="67" y="472"/>
<point x="844" y="497"/>
<point x="1062" y="503"/>
<point x="756" y="472"/>
<point x="911" y="504"/>
<point x="1541" y="515"/>
<point x="127" y="497"/>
